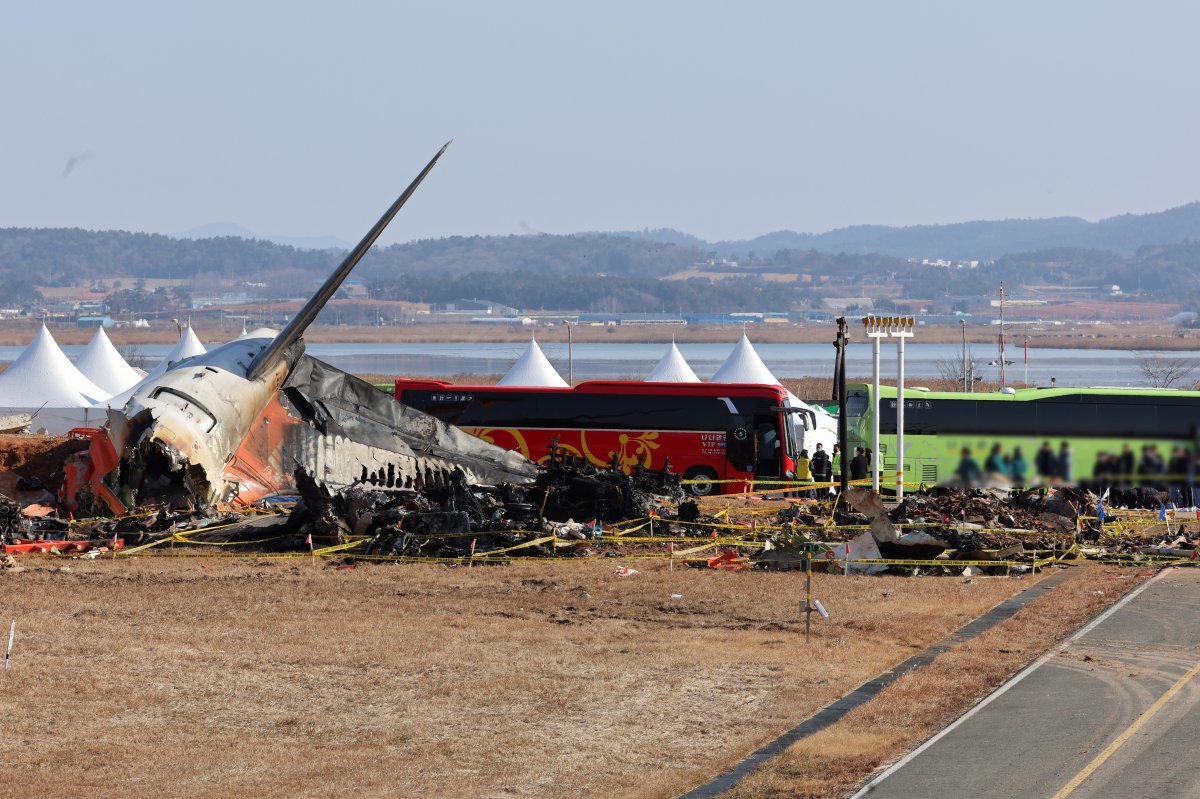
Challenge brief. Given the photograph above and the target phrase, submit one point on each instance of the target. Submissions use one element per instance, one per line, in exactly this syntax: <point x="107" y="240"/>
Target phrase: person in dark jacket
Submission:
<point x="859" y="464"/>
<point x="1177" y="469"/>
<point x="1045" y="463"/>
<point x="1126" y="466"/>
<point x="821" y="468"/>
<point x="1065" y="463"/>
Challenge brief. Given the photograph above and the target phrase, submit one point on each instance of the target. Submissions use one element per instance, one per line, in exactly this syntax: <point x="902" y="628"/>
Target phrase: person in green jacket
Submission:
<point x="1018" y="468"/>
<point x="968" y="468"/>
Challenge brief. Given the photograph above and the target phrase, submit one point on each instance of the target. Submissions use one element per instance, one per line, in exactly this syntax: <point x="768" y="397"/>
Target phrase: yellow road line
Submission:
<point x="1090" y="768"/>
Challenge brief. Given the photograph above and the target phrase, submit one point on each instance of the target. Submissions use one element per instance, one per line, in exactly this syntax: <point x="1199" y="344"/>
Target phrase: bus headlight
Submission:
<point x="789" y="474"/>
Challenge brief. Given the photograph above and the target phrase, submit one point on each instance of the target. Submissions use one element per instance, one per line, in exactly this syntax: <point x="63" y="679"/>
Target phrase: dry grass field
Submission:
<point x="206" y="677"/>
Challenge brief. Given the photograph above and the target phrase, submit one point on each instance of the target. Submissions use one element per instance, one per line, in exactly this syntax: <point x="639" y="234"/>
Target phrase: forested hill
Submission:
<point x="983" y="240"/>
<point x="58" y="257"/>
<point x="587" y="271"/>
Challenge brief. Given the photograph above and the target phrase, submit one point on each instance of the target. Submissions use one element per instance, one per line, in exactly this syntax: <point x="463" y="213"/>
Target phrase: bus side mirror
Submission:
<point x="739" y="442"/>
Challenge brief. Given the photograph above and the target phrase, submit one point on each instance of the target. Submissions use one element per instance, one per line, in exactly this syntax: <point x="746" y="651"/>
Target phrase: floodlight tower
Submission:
<point x="875" y="331"/>
<point x="901" y="327"/>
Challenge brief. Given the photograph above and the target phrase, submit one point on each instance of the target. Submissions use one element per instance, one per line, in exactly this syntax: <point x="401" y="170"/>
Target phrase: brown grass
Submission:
<point x="266" y="677"/>
<point x="833" y="762"/>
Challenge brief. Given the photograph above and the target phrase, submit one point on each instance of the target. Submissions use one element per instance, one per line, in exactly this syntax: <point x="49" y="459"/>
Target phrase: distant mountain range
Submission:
<point x="1151" y="256"/>
<point x="964" y="241"/>
<point x="983" y="240"/>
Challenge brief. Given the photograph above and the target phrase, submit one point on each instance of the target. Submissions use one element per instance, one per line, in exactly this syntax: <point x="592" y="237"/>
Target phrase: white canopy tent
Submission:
<point x="672" y="368"/>
<point x="43" y="382"/>
<point x="744" y="366"/>
<point x="103" y="365"/>
<point x="533" y="369"/>
<point x="187" y="346"/>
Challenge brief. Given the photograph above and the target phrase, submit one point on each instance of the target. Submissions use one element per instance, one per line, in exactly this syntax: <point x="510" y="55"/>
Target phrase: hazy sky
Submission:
<point x="726" y="120"/>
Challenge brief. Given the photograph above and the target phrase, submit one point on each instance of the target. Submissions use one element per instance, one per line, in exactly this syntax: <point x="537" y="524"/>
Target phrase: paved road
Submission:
<point x="1116" y="714"/>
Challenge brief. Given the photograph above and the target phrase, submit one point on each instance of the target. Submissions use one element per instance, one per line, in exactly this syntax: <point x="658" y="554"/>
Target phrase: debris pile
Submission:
<point x="574" y="507"/>
<point x="446" y="516"/>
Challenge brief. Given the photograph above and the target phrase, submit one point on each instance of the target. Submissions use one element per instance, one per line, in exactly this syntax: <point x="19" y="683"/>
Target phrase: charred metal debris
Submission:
<point x="573" y="507"/>
<point x="444" y="515"/>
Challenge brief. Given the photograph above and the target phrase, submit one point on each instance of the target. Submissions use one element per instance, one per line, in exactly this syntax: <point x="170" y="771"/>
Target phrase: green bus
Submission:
<point x="1096" y="424"/>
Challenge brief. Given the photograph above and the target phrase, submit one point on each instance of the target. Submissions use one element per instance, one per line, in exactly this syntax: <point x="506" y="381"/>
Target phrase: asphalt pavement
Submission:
<point x="1114" y="714"/>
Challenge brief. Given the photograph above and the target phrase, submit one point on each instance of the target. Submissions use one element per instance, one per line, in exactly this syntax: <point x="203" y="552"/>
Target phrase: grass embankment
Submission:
<point x="192" y="677"/>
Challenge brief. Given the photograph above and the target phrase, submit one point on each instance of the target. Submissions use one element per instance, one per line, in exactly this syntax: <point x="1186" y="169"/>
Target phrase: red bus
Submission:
<point x="707" y="431"/>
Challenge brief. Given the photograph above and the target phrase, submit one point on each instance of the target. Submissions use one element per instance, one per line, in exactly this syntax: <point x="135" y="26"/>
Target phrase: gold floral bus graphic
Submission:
<point x="630" y="449"/>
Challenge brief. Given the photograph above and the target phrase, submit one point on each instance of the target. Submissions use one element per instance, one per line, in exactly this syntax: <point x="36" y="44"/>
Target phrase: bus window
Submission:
<point x="857" y="403"/>
<point x="790" y="422"/>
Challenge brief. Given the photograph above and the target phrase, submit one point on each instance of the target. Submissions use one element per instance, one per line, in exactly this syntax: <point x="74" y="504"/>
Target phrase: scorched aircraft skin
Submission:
<point x="233" y="425"/>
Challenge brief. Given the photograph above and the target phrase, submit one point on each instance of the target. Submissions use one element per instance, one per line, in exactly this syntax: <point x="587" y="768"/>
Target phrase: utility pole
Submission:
<point x="570" y="357"/>
<point x="1026" y="355"/>
<point x="964" y="354"/>
<point x="902" y="329"/>
<point x="875" y="331"/>
<point x="1002" y="383"/>
<point x="840" y="389"/>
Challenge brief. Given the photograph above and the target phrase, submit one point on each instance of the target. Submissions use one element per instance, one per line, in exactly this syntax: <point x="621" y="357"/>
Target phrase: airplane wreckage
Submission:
<point x="233" y="426"/>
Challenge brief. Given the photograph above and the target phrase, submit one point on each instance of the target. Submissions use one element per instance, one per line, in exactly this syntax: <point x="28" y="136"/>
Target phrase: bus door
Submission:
<point x="768" y="444"/>
<point x="740" y="445"/>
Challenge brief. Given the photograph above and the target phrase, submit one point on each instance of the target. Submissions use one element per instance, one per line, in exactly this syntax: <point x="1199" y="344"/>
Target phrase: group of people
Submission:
<point x="1129" y="479"/>
<point x="1124" y="475"/>
<point x="1050" y="466"/>
<point x="825" y="467"/>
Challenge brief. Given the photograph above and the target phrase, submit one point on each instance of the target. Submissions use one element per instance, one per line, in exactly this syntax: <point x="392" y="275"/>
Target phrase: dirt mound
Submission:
<point x="35" y="456"/>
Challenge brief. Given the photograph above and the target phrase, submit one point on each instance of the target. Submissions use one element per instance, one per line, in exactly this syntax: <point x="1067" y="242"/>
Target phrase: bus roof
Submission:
<point x="609" y="387"/>
<point x="1028" y="394"/>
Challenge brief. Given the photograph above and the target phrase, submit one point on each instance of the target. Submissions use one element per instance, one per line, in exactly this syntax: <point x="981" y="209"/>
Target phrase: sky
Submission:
<point x="724" y="120"/>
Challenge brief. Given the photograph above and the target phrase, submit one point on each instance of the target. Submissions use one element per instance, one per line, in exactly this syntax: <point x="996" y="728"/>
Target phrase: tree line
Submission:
<point x="600" y="272"/>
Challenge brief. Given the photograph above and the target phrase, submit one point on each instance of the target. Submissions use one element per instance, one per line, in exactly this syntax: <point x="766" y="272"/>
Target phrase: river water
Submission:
<point x="618" y="361"/>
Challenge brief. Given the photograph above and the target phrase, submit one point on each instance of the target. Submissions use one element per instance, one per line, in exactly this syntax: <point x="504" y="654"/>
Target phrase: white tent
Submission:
<point x="258" y="332"/>
<point x="187" y="346"/>
<point x="42" y="375"/>
<point x="44" y="383"/>
<point x="672" y="369"/>
<point x="103" y="365"/>
<point x="744" y="366"/>
<point x="533" y="369"/>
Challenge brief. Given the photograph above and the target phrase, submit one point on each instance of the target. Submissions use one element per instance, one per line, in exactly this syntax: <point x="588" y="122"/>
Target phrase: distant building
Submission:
<point x="95" y="321"/>
<point x="523" y="321"/>
<point x="474" y="307"/>
<point x="844" y="303"/>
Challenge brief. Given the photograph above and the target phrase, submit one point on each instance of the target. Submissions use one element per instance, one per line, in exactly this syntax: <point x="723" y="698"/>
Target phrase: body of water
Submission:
<point x="619" y="361"/>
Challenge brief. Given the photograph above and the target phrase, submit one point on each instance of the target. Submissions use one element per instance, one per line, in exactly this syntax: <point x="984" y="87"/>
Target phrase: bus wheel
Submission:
<point x="706" y="481"/>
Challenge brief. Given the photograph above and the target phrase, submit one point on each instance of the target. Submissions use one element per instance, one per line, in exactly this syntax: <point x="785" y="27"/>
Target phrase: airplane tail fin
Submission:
<point x="305" y="316"/>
